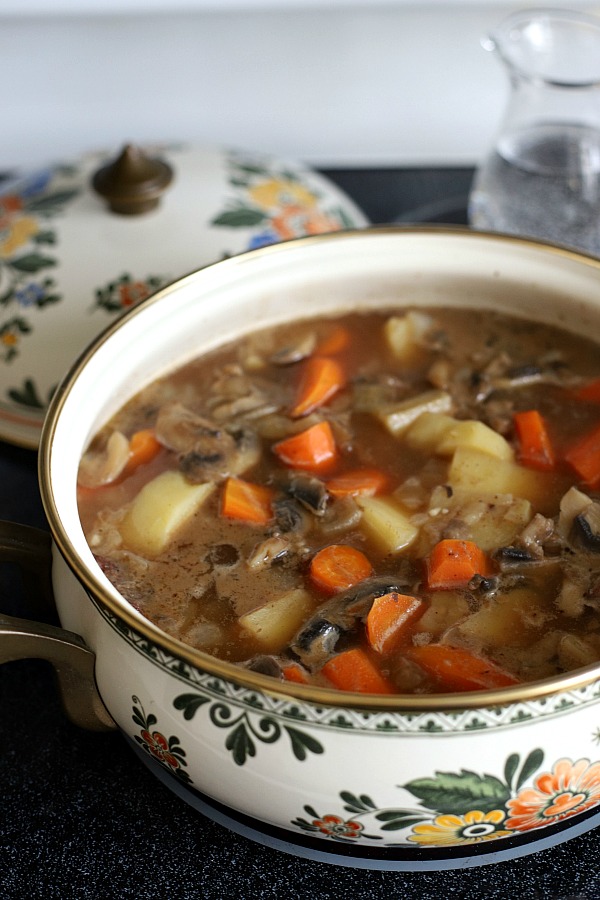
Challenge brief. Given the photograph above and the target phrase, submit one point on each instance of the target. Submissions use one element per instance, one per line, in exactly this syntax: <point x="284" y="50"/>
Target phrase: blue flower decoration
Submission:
<point x="29" y="295"/>
<point x="262" y="239"/>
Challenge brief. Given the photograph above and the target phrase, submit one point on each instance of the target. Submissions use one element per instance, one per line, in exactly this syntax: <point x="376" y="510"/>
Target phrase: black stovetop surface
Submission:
<point x="81" y="817"/>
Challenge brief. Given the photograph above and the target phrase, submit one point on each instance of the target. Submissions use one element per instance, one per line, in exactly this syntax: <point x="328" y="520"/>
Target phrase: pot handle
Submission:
<point x="73" y="661"/>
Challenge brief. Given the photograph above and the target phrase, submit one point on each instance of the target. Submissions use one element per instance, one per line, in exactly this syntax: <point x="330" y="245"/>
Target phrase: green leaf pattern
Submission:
<point x="465" y="807"/>
<point x="26" y="214"/>
<point x="247" y="729"/>
<point x="448" y="792"/>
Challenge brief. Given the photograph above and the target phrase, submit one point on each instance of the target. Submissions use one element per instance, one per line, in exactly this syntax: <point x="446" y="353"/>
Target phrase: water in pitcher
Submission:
<point x="542" y="175"/>
<point x="542" y="181"/>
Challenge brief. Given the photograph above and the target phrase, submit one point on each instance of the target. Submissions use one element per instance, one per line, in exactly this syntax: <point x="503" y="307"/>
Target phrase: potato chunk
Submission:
<point x="445" y="609"/>
<point x="474" y="472"/>
<point x="427" y="431"/>
<point x="434" y="432"/>
<point x="398" y="417"/>
<point x="474" y="435"/>
<point x="387" y="524"/>
<point x="274" y="624"/>
<point x="514" y="619"/>
<point x="404" y="334"/>
<point x="160" y="509"/>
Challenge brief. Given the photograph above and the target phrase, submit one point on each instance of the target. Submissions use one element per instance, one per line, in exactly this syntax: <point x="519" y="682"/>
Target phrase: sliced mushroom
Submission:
<point x="536" y="534"/>
<point x="585" y="530"/>
<point x="501" y="375"/>
<point x="184" y="431"/>
<point x="317" y="642"/>
<point x="370" y="394"/>
<point x="235" y="394"/>
<point x="205" y="450"/>
<point x="268" y="664"/>
<point x="511" y="556"/>
<point x="309" y="491"/>
<point x="318" y="638"/>
<point x="251" y="407"/>
<point x="265" y="665"/>
<point x="105" y="464"/>
<point x="290" y="516"/>
<point x="572" y="503"/>
<point x="521" y="376"/>
<point x="342" y="514"/>
<point x="267" y="552"/>
<point x="302" y="347"/>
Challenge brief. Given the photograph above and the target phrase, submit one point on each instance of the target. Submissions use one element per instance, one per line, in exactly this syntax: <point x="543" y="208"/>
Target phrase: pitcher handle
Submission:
<point x="73" y="661"/>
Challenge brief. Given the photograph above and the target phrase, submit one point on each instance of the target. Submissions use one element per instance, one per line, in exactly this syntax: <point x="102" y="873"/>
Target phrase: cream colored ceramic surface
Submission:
<point x="431" y="772"/>
<point x="69" y="267"/>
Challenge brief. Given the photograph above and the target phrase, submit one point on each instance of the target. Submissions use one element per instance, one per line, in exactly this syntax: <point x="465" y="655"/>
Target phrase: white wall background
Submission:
<point x="332" y="82"/>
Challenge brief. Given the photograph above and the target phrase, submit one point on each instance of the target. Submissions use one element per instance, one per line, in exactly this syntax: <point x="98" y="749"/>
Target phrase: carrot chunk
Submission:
<point x="336" y="341"/>
<point x="143" y="447"/>
<point x="337" y="567"/>
<point x="535" y="446"/>
<point x="457" y="669"/>
<point x="584" y="457"/>
<point x="389" y="620"/>
<point x="354" y="671"/>
<point x="321" y="378"/>
<point x="246" y="502"/>
<point x="452" y="564"/>
<point x="358" y="482"/>
<point x="312" y="449"/>
<point x="296" y="673"/>
<point x="589" y="392"/>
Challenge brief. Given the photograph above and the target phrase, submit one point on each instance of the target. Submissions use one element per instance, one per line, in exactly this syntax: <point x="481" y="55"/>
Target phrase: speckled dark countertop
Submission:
<point x="81" y="817"/>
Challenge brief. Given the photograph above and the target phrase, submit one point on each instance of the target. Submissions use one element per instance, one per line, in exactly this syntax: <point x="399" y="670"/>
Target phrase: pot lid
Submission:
<point x="83" y="242"/>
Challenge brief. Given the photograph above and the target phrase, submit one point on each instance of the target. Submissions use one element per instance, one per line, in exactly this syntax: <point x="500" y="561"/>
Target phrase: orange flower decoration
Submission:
<point x="10" y="203"/>
<point x="9" y="339"/>
<point x="157" y="744"/>
<point x="338" y="827"/>
<point x="133" y="292"/>
<point x="294" y="221"/>
<point x="569" y="789"/>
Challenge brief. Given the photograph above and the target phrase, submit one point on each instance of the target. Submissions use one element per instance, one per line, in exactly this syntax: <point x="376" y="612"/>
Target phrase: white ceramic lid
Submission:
<point x="69" y="265"/>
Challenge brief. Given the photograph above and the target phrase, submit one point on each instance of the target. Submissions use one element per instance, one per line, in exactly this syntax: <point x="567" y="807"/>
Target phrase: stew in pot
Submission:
<point x="388" y="502"/>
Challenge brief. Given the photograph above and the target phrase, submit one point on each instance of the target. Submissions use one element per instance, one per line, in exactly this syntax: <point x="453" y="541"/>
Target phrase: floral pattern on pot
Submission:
<point x="125" y="291"/>
<point x="25" y="239"/>
<point x="277" y="205"/>
<point x="467" y="808"/>
<point x="167" y="751"/>
<point x="245" y="729"/>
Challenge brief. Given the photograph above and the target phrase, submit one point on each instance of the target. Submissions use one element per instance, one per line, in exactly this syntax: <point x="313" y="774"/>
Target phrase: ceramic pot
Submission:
<point x="397" y="775"/>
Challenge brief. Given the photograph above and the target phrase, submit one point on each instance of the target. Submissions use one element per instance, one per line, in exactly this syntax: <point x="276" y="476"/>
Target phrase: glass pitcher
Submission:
<point x="542" y="177"/>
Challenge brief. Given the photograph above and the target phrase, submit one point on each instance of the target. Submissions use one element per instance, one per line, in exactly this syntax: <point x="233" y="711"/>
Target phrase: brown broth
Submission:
<point x="490" y="365"/>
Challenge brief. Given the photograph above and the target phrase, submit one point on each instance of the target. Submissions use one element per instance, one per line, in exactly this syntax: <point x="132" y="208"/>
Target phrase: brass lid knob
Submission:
<point x="133" y="182"/>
